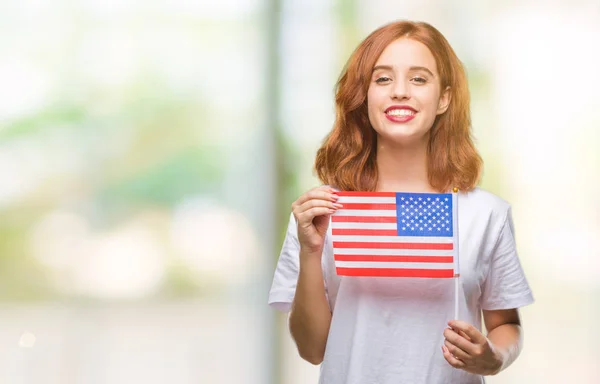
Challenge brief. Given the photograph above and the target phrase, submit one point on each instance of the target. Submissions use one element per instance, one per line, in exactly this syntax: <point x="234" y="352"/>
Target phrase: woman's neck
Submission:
<point x="402" y="169"/>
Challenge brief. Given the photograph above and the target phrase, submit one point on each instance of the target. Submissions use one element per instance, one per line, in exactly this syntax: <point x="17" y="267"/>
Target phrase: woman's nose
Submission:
<point x="400" y="90"/>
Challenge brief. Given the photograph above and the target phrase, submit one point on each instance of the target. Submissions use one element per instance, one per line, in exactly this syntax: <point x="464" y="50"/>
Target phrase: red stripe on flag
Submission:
<point x="347" y="244"/>
<point x="366" y="194"/>
<point x="399" y="259"/>
<point x="369" y="206"/>
<point x="363" y="232"/>
<point x="395" y="272"/>
<point x="363" y="219"/>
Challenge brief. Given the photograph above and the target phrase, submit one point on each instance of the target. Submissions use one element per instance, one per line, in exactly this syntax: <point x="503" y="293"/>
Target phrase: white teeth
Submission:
<point x="401" y="112"/>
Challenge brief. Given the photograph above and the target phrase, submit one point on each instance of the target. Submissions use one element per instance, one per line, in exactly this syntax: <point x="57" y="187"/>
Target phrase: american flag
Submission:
<point x="396" y="234"/>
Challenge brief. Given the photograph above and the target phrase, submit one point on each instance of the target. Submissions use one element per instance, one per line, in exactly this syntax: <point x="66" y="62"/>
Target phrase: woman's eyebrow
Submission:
<point x="413" y="68"/>
<point x="386" y="67"/>
<point x="424" y="69"/>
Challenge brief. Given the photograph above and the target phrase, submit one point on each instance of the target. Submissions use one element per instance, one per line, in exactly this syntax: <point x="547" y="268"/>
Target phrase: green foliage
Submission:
<point x="147" y="151"/>
<point x="186" y="172"/>
<point x="22" y="278"/>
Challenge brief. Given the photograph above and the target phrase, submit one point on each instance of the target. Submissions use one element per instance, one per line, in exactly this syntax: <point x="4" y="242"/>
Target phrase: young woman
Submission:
<point x="402" y="125"/>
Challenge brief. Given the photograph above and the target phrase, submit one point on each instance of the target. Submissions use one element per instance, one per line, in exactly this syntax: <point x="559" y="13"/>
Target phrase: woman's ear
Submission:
<point x="444" y="101"/>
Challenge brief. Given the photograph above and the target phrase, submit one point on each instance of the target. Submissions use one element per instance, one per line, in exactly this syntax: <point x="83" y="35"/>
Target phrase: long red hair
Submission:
<point x="346" y="160"/>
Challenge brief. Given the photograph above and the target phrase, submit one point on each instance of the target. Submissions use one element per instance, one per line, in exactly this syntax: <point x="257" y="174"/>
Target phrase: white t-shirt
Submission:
<point x="387" y="330"/>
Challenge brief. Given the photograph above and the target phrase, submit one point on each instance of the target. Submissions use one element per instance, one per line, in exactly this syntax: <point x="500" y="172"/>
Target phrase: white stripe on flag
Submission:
<point x="345" y="225"/>
<point x="392" y="239"/>
<point x="393" y="252"/>
<point x="368" y="200"/>
<point x="366" y="212"/>
<point x="367" y="264"/>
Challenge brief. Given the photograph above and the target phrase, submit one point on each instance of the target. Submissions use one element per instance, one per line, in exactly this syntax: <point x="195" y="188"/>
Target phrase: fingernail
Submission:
<point x="335" y="197"/>
<point x="332" y="210"/>
<point x="338" y="206"/>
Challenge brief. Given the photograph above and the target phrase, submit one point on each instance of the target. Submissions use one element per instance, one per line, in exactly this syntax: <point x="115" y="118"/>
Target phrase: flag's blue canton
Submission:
<point x="424" y="214"/>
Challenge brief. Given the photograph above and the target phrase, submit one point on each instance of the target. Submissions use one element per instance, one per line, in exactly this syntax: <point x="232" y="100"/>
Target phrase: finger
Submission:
<point x="463" y="334"/>
<point x="317" y="204"/>
<point x="457" y="352"/>
<point x="305" y="218"/>
<point x="321" y="193"/>
<point x="453" y="361"/>
<point x="475" y="335"/>
<point x="459" y="341"/>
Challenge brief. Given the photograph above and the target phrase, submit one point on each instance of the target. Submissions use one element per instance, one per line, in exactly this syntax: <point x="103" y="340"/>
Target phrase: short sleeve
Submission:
<point x="506" y="286"/>
<point x="283" y="288"/>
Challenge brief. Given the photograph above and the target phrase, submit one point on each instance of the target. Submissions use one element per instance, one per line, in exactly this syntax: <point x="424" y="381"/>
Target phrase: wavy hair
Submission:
<point x="347" y="157"/>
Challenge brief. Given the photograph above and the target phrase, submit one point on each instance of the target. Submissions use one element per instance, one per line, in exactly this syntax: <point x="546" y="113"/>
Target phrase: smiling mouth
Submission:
<point x="400" y="115"/>
<point x="400" y="112"/>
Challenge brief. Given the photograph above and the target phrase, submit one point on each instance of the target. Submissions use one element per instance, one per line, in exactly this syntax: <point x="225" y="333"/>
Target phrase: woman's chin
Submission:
<point x="402" y="138"/>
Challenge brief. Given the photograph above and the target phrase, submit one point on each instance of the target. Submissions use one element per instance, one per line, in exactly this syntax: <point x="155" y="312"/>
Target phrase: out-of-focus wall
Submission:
<point x="136" y="192"/>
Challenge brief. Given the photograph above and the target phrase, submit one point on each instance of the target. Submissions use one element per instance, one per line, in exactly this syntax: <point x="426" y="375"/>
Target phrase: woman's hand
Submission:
<point x="312" y="211"/>
<point x="468" y="349"/>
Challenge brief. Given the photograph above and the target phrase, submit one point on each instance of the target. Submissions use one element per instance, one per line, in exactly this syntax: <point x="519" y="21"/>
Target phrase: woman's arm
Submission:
<point x="505" y="333"/>
<point x="310" y="315"/>
<point x="465" y="347"/>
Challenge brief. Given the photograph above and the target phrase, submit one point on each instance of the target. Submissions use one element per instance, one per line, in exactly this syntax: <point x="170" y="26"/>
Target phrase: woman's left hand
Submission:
<point x="468" y="349"/>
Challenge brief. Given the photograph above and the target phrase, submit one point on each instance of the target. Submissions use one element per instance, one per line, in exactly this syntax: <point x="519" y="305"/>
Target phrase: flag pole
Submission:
<point x="456" y="297"/>
<point x="456" y="259"/>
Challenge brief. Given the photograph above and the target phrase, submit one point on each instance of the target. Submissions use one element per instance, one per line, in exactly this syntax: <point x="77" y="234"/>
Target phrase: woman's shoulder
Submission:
<point x="481" y="200"/>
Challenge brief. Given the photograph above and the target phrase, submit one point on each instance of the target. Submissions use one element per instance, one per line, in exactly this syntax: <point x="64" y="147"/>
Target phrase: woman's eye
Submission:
<point x="419" y="80"/>
<point x="382" y="79"/>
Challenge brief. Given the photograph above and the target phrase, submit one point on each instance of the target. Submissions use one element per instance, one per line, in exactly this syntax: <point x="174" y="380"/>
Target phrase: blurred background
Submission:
<point x="150" y="150"/>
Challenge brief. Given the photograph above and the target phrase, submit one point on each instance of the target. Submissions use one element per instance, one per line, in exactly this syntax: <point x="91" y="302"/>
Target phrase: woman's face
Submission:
<point x="404" y="95"/>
